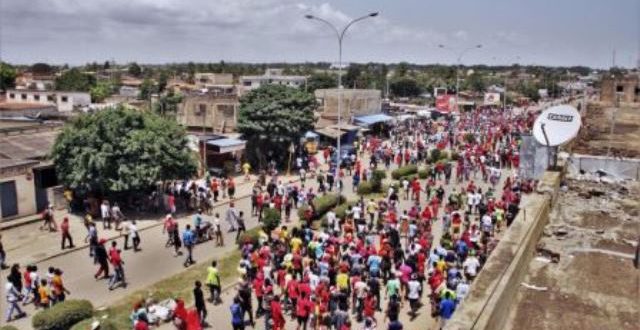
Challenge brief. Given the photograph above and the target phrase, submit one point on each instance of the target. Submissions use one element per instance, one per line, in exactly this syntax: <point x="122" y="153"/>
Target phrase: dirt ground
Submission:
<point x="594" y="228"/>
<point x="596" y="127"/>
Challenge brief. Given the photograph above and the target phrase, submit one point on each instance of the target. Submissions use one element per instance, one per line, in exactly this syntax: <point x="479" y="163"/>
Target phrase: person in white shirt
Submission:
<point x="471" y="266"/>
<point x="413" y="288"/>
<point x="105" y="214"/>
<point x="462" y="290"/>
<point x="13" y="297"/>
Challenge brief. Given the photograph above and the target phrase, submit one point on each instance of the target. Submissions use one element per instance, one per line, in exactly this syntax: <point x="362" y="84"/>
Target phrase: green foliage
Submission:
<point x="75" y="80"/>
<point x="101" y="91"/>
<point x="272" y="118"/>
<point x="404" y="171"/>
<point x="475" y="82"/>
<point x="8" y="327"/>
<point x="455" y="156"/>
<point x="423" y="173"/>
<point x="135" y="70"/>
<point x="250" y="236"/>
<point x="167" y="105"/>
<point x="7" y="76"/>
<point x="62" y="316"/>
<point x="378" y="175"/>
<point x="366" y="187"/>
<point x="322" y="205"/>
<point x="117" y="150"/>
<point x="321" y="81"/>
<point x="147" y="88"/>
<point x="41" y="69"/>
<point x="271" y="219"/>
<point x="105" y="324"/>
<point x="405" y="87"/>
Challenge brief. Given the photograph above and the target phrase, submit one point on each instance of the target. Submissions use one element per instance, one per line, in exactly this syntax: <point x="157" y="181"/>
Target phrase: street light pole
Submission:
<point x="458" y="64"/>
<point x="340" y="35"/>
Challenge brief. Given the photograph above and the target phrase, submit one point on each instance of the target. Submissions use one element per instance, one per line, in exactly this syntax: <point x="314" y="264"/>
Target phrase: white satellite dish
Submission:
<point x="560" y="123"/>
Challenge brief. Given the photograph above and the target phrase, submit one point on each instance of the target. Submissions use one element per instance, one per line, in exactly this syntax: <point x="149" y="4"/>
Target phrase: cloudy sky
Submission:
<point x="550" y="32"/>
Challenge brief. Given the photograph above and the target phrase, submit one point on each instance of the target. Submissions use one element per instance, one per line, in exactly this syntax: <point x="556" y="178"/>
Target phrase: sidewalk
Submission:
<point x="25" y="243"/>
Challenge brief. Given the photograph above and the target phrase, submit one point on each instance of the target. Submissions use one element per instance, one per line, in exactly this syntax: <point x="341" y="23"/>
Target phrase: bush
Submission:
<point x="8" y="327"/>
<point x="301" y="211"/>
<point x="105" y="324"/>
<point x="252" y="236"/>
<point x="271" y="219"/>
<point x="322" y="205"/>
<point x="378" y="175"/>
<point x="404" y="171"/>
<point x="365" y="188"/>
<point x="423" y="173"/>
<point x="455" y="156"/>
<point x="340" y="211"/>
<point x="434" y="156"/>
<point x="62" y="316"/>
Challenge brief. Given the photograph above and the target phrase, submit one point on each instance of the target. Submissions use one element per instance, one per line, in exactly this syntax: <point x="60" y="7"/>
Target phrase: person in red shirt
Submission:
<point x="369" y="306"/>
<point x="64" y="229"/>
<point x="292" y="292"/>
<point x="303" y="309"/>
<point x="258" y="283"/>
<point x="276" y="314"/>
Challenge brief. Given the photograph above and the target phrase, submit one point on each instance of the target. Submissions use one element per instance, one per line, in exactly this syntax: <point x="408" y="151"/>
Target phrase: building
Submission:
<point x="28" y="181"/>
<point x="214" y="110"/>
<point x="206" y="80"/>
<point x="627" y="88"/>
<point x="64" y="101"/>
<point x="29" y="80"/>
<point x="355" y="102"/>
<point x="271" y="76"/>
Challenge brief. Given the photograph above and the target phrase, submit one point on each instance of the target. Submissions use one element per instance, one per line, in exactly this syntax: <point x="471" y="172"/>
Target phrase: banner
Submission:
<point x="446" y="103"/>
<point x="491" y="98"/>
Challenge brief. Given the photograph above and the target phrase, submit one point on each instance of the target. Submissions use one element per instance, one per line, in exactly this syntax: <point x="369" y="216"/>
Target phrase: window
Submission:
<point x="50" y="98"/>
<point x="246" y="83"/>
<point x="201" y="110"/>
<point x="619" y="88"/>
<point x="64" y="99"/>
<point x="12" y="96"/>
<point x="36" y="97"/>
<point x="23" y="96"/>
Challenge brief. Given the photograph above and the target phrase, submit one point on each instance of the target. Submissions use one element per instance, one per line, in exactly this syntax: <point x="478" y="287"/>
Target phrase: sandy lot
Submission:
<point x="595" y="135"/>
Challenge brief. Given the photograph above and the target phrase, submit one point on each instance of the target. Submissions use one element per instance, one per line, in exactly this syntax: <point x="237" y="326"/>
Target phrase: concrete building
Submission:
<point x="28" y="180"/>
<point x="28" y="80"/>
<point x="64" y="101"/>
<point x="206" y="80"/>
<point x="627" y="87"/>
<point x="355" y="102"/>
<point x="271" y="76"/>
<point x="212" y="111"/>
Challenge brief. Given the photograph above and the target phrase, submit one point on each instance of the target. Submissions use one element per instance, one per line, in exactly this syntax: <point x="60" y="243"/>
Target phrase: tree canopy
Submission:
<point x="75" y="80"/>
<point x="134" y="70"/>
<point x="118" y="150"/>
<point x="321" y="81"/>
<point x="273" y="117"/>
<point x="405" y="87"/>
<point x="7" y="76"/>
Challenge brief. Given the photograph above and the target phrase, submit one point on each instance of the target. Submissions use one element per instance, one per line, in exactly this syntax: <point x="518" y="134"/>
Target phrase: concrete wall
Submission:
<point x="26" y="193"/>
<point x="494" y="290"/>
<point x="219" y="110"/>
<point x="355" y="102"/>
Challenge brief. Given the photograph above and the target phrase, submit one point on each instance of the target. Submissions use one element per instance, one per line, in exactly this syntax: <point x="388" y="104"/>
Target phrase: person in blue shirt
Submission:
<point x="447" y="307"/>
<point x="197" y="222"/>
<point x="373" y="262"/>
<point x="237" y="315"/>
<point x="189" y="240"/>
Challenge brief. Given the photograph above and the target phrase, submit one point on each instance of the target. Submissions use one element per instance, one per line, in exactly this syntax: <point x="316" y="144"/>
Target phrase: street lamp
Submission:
<point x="458" y="64"/>
<point x="510" y="62"/>
<point x="340" y="35"/>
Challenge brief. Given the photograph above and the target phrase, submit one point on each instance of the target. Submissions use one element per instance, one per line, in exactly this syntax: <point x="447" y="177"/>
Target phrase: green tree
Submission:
<point x="7" y="76"/>
<point x="273" y="117"/>
<point x="405" y="87"/>
<point x="147" y="88"/>
<point x="475" y="82"/>
<point x="168" y="104"/>
<point x="321" y="81"/>
<point x="41" y="69"/>
<point x="101" y="91"/>
<point x="402" y="69"/>
<point x="75" y="80"/>
<point x="121" y="150"/>
<point x="135" y="70"/>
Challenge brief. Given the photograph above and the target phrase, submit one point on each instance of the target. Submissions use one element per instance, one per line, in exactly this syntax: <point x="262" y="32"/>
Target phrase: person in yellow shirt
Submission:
<point x="342" y="281"/>
<point x="213" y="282"/>
<point x="43" y="292"/>
<point x="441" y="265"/>
<point x="246" y="169"/>
<point x="296" y="242"/>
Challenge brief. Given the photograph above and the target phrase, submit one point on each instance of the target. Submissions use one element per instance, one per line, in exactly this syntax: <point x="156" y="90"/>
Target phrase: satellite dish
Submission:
<point x="560" y="124"/>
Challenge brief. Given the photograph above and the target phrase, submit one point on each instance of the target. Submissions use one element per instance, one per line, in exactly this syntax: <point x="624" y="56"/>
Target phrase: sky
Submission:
<point x="546" y="32"/>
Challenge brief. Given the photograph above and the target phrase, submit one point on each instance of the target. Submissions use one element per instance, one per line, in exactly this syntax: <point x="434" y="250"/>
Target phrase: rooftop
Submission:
<point x="27" y="146"/>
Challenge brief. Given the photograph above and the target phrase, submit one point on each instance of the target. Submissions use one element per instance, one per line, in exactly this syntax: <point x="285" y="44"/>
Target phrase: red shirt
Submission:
<point x="304" y="307"/>
<point x="64" y="227"/>
<point x="276" y="314"/>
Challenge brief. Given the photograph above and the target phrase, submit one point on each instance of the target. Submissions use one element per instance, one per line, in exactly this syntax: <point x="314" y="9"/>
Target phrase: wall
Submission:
<point x="26" y="194"/>
<point x="494" y="290"/>
<point x="216" y="114"/>
<point x="354" y="102"/>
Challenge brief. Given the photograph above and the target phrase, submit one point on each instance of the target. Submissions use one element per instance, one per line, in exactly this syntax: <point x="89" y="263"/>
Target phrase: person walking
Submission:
<point x="237" y="315"/>
<point x="3" y="255"/>
<point x="189" y="240"/>
<point x="231" y="216"/>
<point x="135" y="235"/>
<point x="231" y="187"/>
<point x="49" y="221"/>
<point x="198" y="298"/>
<point x="102" y="259"/>
<point x="105" y="213"/>
<point x="58" y="289"/>
<point x="66" y="235"/>
<point x="116" y="262"/>
<point x="117" y="215"/>
<point x="241" y="226"/>
<point x="213" y="282"/>
<point x="217" y="228"/>
<point x="13" y="297"/>
<point x="126" y="233"/>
